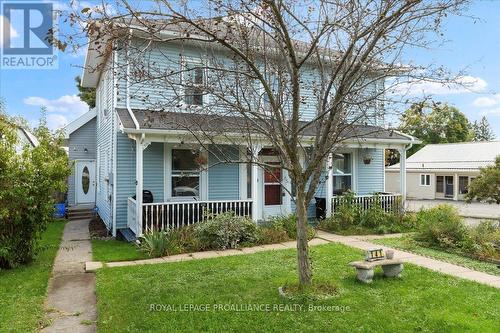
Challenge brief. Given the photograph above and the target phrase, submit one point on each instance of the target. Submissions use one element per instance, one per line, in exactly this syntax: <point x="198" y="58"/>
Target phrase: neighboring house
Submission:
<point x="137" y="151"/>
<point x="80" y="136"/>
<point x="25" y="138"/>
<point x="443" y="171"/>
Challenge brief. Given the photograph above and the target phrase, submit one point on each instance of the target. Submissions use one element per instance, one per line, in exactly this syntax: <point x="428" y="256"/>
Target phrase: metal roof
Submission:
<point x="453" y="156"/>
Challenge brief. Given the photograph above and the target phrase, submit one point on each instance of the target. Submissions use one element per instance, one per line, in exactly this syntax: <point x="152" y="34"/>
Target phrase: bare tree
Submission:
<point x="299" y="76"/>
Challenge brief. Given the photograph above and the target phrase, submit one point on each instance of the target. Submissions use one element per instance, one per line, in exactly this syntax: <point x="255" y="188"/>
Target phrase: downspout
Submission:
<point x="129" y="110"/>
<point x="412" y="140"/>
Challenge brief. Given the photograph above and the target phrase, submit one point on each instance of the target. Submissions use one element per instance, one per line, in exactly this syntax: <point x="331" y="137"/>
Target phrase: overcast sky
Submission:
<point x="473" y="45"/>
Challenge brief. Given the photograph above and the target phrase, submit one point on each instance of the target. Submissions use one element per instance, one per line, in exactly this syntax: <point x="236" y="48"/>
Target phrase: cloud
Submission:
<point x="495" y="112"/>
<point x="68" y="104"/>
<point x="486" y="101"/>
<point x="5" y="24"/>
<point x="464" y="84"/>
<point x="56" y="121"/>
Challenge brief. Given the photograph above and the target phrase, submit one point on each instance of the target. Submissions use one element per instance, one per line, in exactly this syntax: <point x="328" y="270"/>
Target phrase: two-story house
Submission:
<point x="149" y="171"/>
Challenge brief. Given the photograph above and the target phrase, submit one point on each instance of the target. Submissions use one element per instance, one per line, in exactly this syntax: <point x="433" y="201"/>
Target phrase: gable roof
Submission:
<point x="453" y="156"/>
<point x="157" y="121"/>
<point x="79" y="122"/>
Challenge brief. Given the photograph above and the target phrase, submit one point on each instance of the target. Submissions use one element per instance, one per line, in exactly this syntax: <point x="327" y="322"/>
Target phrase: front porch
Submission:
<point x="178" y="183"/>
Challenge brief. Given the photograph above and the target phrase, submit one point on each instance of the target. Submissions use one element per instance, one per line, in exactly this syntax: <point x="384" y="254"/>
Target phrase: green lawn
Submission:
<point x="115" y="250"/>
<point x="23" y="289"/>
<point x="403" y="243"/>
<point x="421" y="301"/>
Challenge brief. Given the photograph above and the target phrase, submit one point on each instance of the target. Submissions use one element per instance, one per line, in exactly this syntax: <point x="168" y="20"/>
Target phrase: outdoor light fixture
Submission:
<point x="85" y="150"/>
<point x="367" y="158"/>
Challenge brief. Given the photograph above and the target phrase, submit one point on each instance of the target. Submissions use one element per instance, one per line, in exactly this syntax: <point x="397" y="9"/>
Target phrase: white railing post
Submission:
<point x="402" y="173"/>
<point x="139" y="149"/>
<point x="256" y="188"/>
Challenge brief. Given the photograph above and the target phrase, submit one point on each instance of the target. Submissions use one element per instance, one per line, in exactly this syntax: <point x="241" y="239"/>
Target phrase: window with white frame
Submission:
<point x="193" y="82"/>
<point x="425" y="180"/>
<point x="342" y="173"/>
<point x="185" y="173"/>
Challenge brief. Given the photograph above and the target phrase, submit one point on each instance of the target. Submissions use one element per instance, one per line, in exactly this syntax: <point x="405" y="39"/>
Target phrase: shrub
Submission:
<point x="28" y="182"/>
<point x="484" y="239"/>
<point x="375" y="216"/>
<point x="288" y="223"/>
<point x="226" y="231"/>
<point x="159" y="243"/>
<point x="186" y="239"/>
<point x="270" y="235"/>
<point x="442" y="226"/>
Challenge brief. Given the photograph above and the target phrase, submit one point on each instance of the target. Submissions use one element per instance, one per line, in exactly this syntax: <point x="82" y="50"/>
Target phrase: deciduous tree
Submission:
<point x="279" y="56"/>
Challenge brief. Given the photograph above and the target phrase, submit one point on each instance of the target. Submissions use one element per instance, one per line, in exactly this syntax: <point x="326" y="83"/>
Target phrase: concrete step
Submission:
<point x="80" y="214"/>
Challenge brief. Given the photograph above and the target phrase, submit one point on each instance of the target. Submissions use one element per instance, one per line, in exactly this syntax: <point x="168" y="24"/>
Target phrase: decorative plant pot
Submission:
<point x="367" y="160"/>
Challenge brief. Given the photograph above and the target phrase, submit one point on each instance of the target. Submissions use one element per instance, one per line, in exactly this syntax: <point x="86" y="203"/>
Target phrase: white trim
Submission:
<point x="168" y="172"/>
<point x="167" y="135"/>
<point x="165" y="152"/>
<point x="425" y="178"/>
<point x="243" y="176"/>
<point x="115" y="152"/>
<point x="79" y="122"/>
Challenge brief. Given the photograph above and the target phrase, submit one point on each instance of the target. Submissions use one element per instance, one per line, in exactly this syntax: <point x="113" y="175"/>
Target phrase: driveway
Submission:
<point x="473" y="210"/>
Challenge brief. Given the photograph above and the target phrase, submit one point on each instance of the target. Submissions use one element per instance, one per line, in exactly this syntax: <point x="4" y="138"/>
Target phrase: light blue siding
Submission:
<point x="84" y="137"/>
<point x="106" y="123"/>
<point x="125" y="177"/>
<point x="162" y="58"/>
<point x="153" y="170"/>
<point x="223" y="178"/>
<point x="153" y="174"/>
<point x="370" y="177"/>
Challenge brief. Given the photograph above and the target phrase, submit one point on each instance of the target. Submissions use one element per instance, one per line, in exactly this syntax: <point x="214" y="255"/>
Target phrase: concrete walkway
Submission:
<point x="358" y="242"/>
<point x="92" y="266"/>
<point x="71" y="301"/>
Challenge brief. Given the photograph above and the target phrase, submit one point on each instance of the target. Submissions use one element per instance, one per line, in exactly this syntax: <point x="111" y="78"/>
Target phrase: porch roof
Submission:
<point x="161" y="121"/>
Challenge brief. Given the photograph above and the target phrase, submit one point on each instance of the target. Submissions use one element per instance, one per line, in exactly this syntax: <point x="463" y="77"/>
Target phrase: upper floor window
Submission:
<point x="194" y="80"/>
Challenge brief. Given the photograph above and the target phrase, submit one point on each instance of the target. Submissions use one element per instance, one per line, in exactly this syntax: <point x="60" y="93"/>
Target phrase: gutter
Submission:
<point x="412" y="140"/>
<point x="129" y="110"/>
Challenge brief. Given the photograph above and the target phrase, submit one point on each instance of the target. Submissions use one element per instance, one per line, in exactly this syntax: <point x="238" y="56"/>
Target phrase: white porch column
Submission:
<point x="139" y="150"/>
<point x="402" y="173"/>
<point x="287" y="199"/>
<point x="257" y="210"/>
<point x="329" y="185"/>
<point x="455" y="187"/>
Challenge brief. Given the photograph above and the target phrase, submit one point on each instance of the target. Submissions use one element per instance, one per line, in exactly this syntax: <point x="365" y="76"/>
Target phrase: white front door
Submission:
<point x="273" y="191"/>
<point x="85" y="182"/>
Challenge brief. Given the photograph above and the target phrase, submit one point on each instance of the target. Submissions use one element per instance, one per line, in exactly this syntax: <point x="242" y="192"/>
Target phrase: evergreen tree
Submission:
<point x="482" y="130"/>
<point x="86" y="94"/>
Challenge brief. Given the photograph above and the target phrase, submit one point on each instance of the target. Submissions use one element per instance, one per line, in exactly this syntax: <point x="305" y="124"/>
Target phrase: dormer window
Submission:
<point x="194" y="80"/>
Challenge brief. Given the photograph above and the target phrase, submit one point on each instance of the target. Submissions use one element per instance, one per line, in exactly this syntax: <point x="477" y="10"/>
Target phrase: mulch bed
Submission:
<point x="98" y="229"/>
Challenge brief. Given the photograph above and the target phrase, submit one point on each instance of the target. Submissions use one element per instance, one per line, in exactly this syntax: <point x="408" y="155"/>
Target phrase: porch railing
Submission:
<point x="170" y="215"/>
<point x="388" y="202"/>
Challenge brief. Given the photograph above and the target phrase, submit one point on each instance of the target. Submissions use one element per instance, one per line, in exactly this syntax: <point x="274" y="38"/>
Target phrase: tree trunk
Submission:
<point x="304" y="265"/>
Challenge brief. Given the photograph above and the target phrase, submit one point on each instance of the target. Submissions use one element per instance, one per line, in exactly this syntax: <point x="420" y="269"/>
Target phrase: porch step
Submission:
<point x="127" y="234"/>
<point x="79" y="213"/>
